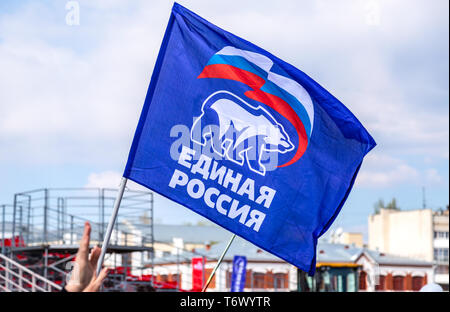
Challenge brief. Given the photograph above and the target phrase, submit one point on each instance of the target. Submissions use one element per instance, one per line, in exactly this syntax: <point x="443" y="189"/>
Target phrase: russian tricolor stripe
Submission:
<point x="279" y="92"/>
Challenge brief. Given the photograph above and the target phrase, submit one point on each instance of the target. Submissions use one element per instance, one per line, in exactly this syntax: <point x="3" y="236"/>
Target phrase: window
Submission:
<point x="258" y="280"/>
<point x="441" y="269"/>
<point x="351" y="282"/>
<point x="441" y="234"/>
<point x="163" y="254"/>
<point x="340" y="283"/>
<point x="417" y="282"/>
<point x="279" y="280"/>
<point x="399" y="283"/>
<point x="441" y="254"/>
<point x="362" y="280"/>
<point x="148" y="255"/>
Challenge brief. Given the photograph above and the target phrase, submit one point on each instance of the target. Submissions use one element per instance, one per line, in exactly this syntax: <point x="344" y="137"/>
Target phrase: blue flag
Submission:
<point x="238" y="274"/>
<point x="246" y="140"/>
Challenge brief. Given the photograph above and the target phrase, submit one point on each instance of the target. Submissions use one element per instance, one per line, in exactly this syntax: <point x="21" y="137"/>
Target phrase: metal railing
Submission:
<point x="16" y="277"/>
<point x="44" y="225"/>
<point x="57" y="215"/>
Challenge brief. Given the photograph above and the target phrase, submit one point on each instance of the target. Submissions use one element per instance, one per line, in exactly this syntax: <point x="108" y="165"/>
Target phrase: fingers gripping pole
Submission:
<point x="112" y="220"/>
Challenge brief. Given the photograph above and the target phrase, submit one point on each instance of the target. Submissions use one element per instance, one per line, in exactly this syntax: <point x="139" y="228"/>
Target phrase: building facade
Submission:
<point x="383" y="272"/>
<point x="418" y="234"/>
<point x="347" y="238"/>
<point x="340" y="267"/>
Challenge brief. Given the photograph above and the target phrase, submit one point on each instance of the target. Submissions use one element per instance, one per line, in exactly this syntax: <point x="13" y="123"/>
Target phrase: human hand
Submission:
<point x="96" y="282"/>
<point x="84" y="275"/>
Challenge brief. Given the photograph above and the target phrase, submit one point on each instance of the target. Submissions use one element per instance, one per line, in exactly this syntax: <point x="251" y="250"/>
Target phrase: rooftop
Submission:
<point x="326" y="252"/>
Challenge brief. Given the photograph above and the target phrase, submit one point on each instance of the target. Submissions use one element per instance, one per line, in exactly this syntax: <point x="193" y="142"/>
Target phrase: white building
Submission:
<point x="419" y="234"/>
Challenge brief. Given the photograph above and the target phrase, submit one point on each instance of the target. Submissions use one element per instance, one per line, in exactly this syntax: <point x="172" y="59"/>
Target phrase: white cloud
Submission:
<point x="110" y="179"/>
<point x="74" y="94"/>
<point x="106" y="179"/>
<point x="380" y="171"/>
<point x="65" y="102"/>
<point x="376" y="71"/>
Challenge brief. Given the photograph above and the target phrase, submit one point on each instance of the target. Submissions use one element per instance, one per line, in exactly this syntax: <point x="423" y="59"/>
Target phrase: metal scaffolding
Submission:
<point x="42" y="228"/>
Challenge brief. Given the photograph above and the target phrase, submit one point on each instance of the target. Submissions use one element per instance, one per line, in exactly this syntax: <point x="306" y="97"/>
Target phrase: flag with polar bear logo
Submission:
<point x="245" y="139"/>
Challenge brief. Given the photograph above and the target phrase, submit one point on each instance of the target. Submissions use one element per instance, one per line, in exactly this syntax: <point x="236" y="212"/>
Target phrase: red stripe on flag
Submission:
<point x="225" y="71"/>
<point x="233" y="73"/>
<point x="285" y="110"/>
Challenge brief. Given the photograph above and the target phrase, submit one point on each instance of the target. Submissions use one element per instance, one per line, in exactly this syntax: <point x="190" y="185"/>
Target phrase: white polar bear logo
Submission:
<point x="238" y="131"/>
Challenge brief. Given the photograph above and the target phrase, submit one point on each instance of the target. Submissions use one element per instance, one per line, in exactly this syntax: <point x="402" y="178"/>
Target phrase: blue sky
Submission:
<point x="70" y="96"/>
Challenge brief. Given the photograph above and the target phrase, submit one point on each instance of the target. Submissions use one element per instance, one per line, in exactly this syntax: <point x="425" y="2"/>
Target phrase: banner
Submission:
<point x="197" y="274"/>
<point x="239" y="273"/>
<point x="245" y="139"/>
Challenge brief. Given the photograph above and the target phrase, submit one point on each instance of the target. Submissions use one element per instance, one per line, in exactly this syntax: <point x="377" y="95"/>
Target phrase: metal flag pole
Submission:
<point x="218" y="263"/>
<point x="112" y="220"/>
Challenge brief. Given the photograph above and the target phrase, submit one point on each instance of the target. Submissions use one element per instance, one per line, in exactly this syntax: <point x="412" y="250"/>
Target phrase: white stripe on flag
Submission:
<point x="258" y="59"/>
<point x="296" y="90"/>
<point x="285" y="83"/>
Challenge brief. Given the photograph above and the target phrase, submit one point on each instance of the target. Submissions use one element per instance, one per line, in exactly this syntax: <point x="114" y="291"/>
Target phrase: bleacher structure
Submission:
<point x="40" y="235"/>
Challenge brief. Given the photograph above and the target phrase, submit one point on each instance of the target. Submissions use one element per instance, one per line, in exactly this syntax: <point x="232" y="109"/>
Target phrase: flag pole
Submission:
<point x="218" y="263"/>
<point x="112" y="220"/>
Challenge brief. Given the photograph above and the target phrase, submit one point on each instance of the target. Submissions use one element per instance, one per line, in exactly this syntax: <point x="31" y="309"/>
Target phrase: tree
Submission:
<point x="393" y="205"/>
<point x="378" y="205"/>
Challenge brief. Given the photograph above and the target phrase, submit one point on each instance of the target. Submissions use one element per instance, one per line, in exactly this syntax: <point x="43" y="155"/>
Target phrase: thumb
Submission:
<point x="97" y="281"/>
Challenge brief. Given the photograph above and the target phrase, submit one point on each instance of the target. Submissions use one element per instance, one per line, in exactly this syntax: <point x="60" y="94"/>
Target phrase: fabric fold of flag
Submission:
<point x="245" y="139"/>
